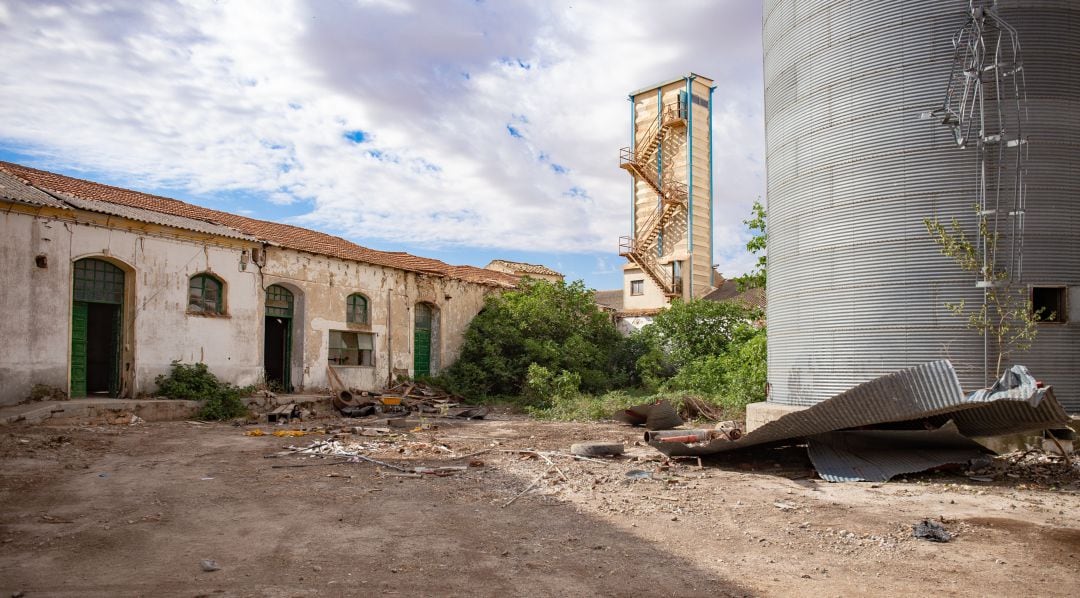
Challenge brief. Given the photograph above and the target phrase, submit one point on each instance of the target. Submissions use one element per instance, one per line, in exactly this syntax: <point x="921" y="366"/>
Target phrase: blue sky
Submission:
<point x="460" y="130"/>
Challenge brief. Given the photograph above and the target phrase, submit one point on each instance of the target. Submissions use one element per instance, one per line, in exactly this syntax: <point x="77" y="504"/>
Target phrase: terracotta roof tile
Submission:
<point x="284" y="235"/>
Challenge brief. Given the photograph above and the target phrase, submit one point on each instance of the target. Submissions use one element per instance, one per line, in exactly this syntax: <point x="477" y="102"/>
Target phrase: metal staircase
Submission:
<point x="641" y="164"/>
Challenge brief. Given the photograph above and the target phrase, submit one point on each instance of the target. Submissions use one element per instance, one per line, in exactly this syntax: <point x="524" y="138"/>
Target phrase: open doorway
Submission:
<point x="96" y="328"/>
<point x="277" y="337"/>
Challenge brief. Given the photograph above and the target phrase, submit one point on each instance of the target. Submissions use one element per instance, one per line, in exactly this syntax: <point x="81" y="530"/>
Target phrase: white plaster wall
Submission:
<point x="35" y="343"/>
<point x="230" y="345"/>
<point x="35" y="337"/>
<point x="632" y="324"/>
<point x="652" y="296"/>
<point x="34" y="332"/>
<point x="325" y="283"/>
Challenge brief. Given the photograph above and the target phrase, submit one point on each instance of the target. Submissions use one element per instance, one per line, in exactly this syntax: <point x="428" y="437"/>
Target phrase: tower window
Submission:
<point x="637" y="287"/>
<point x="1049" y="304"/>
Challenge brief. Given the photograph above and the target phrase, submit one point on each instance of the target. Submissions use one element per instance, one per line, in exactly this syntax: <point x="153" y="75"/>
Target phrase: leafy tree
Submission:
<point x="1006" y="315"/>
<point x="556" y="326"/>
<point x="756" y="246"/>
<point x="690" y="330"/>
<point x="735" y="378"/>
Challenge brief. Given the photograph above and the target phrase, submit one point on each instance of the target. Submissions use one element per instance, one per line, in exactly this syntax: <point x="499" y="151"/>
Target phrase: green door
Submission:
<point x="96" y="324"/>
<point x="422" y="341"/>
<point x="78" y="349"/>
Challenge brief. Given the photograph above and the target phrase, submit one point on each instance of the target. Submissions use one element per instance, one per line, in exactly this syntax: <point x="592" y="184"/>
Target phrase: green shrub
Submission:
<point x="732" y="379"/>
<point x="194" y="382"/>
<point x="585" y="407"/>
<point x="554" y="325"/>
<point x="543" y="387"/>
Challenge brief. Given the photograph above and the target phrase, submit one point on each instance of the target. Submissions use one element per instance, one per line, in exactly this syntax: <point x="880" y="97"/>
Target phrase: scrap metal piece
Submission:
<point x="1016" y="404"/>
<point x="880" y="455"/>
<point x="654" y="416"/>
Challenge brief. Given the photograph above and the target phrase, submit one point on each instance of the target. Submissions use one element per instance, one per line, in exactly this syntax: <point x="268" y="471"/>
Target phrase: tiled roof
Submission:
<point x="143" y="215"/>
<point x="632" y="313"/>
<point x="729" y="291"/>
<point x="524" y="267"/>
<point x="611" y="299"/>
<point x="14" y="188"/>
<point x="284" y="235"/>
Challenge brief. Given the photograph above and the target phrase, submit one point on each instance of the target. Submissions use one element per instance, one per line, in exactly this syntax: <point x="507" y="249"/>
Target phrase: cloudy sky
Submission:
<point x="461" y="130"/>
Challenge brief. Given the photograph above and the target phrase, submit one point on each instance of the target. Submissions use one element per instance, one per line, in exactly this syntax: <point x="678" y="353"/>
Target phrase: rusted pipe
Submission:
<point x="690" y="436"/>
<point x="679" y="435"/>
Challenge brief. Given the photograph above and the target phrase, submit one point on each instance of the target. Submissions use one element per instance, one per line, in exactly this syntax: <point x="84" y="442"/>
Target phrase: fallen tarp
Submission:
<point x="921" y="398"/>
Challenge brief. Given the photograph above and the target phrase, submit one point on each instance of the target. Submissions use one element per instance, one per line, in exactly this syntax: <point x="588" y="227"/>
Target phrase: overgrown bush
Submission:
<point x="554" y="325"/>
<point x="732" y="379"/>
<point x="194" y="382"/>
<point x="578" y="407"/>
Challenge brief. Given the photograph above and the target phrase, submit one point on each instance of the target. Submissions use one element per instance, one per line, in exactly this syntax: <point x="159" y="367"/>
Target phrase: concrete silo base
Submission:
<point x="759" y="414"/>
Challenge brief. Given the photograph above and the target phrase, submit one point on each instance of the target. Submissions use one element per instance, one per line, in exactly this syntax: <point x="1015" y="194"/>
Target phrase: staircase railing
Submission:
<point x="649" y="264"/>
<point x="673" y="195"/>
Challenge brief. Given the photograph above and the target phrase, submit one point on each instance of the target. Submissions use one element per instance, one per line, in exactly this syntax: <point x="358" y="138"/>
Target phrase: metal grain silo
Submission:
<point x="856" y="287"/>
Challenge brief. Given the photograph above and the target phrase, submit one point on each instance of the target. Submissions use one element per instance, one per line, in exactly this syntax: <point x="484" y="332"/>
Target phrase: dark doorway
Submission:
<point x="96" y="323"/>
<point x="276" y="352"/>
<point x="102" y="349"/>
<point x="277" y="337"/>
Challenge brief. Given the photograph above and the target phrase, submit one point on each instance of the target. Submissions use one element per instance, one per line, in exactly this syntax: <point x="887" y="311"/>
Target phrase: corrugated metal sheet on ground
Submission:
<point x="15" y="189"/>
<point x="923" y="392"/>
<point x="880" y="455"/>
<point x="149" y="216"/>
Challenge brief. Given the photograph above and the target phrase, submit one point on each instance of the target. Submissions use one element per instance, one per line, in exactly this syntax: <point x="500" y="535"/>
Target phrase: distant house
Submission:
<point x="728" y="290"/>
<point x="104" y="287"/>
<point x="519" y="269"/>
<point x="631" y="320"/>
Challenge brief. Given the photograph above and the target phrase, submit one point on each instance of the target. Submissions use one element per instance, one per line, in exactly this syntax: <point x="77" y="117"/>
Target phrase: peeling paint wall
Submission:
<point x="36" y="334"/>
<point x="157" y="328"/>
<point x="325" y="284"/>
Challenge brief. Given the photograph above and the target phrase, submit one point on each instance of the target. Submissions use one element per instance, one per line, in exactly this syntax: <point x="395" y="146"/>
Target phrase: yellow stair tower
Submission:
<point x="670" y="162"/>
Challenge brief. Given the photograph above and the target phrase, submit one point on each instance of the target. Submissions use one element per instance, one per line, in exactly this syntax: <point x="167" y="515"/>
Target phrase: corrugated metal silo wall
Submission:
<point x="856" y="287"/>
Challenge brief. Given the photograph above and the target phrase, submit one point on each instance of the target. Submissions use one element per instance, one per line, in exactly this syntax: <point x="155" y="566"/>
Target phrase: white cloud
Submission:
<point x="213" y="96"/>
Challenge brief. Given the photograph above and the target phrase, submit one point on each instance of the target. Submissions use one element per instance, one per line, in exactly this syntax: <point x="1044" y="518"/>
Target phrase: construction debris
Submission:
<point x="931" y="530"/>
<point x="596" y="449"/>
<point x="659" y="415"/>
<point x="922" y="418"/>
<point x="355" y="453"/>
<point x="284" y="413"/>
<point x="402" y="399"/>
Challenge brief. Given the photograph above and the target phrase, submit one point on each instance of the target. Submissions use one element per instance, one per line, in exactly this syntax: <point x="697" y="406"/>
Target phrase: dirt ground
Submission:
<point x="133" y="510"/>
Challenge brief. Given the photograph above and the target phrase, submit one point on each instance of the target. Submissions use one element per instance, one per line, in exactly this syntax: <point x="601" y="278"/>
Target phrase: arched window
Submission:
<point x="205" y="295"/>
<point x="356" y="309"/>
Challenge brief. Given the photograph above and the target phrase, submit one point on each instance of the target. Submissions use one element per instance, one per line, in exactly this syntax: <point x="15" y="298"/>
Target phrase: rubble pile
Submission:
<point x="401" y="399"/>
